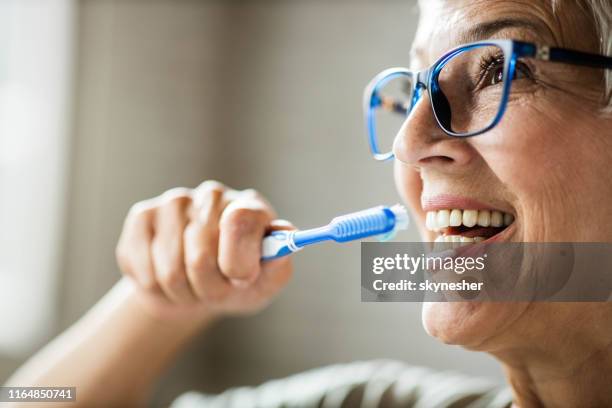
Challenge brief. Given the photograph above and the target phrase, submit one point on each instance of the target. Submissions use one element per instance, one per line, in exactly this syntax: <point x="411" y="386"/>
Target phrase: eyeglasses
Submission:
<point x="469" y="88"/>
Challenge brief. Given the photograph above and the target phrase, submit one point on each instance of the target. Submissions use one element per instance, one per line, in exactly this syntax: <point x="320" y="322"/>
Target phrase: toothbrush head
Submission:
<point x="401" y="217"/>
<point x="401" y="222"/>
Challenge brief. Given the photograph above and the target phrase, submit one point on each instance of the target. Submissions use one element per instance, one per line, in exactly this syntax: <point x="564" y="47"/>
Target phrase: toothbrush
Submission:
<point x="381" y="221"/>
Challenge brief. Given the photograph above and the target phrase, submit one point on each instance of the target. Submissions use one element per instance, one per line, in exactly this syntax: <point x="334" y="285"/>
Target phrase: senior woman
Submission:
<point x="535" y="170"/>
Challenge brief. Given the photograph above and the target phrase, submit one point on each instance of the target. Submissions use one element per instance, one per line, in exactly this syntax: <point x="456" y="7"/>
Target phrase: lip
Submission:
<point x="449" y="201"/>
<point x="478" y="249"/>
<point x="501" y="236"/>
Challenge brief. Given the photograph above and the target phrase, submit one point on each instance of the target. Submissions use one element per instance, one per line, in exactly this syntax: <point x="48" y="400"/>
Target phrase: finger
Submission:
<point x="202" y="242"/>
<point x="201" y="196"/>
<point x="277" y="272"/>
<point x="251" y="193"/>
<point x="280" y="224"/>
<point x="243" y="225"/>
<point x="133" y="250"/>
<point x="274" y="276"/>
<point x="167" y="249"/>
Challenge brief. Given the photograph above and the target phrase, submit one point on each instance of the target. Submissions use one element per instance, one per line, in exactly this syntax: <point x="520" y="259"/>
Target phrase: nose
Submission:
<point x="422" y="143"/>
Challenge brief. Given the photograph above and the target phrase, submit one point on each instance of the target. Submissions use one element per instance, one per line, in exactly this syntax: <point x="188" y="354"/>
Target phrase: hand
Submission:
<point x="195" y="254"/>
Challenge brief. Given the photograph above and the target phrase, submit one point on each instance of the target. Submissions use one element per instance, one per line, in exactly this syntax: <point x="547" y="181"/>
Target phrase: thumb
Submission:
<point x="280" y="225"/>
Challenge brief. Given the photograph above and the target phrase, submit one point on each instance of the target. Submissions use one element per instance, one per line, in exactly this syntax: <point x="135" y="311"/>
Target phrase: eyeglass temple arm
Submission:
<point x="573" y="57"/>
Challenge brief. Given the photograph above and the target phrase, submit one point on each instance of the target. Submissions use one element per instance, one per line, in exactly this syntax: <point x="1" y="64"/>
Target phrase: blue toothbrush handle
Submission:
<point x="378" y="221"/>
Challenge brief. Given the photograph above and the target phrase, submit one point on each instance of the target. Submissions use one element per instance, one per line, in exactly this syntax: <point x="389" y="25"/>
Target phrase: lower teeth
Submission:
<point x="458" y="239"/>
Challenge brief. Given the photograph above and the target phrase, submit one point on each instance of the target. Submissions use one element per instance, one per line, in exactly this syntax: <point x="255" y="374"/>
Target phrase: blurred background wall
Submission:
<point x="258" y="93"/>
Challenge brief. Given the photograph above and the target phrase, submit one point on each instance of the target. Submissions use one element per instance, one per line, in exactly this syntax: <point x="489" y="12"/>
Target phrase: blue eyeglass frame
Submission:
<point x="428" y="80"/>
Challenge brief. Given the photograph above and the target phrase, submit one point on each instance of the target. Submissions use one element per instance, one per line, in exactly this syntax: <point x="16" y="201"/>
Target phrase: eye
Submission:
<point x="521" y="70"/>
<point x="493" y="71"/>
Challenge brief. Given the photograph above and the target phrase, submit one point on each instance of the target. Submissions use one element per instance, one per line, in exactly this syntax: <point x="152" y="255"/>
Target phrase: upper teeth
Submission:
<point x="437" y="220"/>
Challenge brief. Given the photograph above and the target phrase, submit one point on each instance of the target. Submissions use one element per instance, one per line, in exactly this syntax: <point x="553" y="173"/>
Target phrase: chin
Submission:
<point x="479" y="326"/>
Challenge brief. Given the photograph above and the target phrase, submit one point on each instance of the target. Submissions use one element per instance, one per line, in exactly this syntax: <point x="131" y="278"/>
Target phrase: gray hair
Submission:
<point x="601" y="12"/>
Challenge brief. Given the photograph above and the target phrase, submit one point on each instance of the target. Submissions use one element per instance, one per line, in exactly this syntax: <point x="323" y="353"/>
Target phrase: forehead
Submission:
<point x="444" y="24"/>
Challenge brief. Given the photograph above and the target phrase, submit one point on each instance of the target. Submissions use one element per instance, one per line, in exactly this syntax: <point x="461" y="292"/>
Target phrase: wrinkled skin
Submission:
<point x="547" y="163"/>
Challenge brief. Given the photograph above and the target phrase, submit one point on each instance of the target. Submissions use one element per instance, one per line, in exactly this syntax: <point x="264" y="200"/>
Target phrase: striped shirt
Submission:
<point x="371" y="384"/>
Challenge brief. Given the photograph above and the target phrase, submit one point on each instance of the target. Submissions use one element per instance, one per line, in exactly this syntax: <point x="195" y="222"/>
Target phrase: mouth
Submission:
<point x="465" y="226"/>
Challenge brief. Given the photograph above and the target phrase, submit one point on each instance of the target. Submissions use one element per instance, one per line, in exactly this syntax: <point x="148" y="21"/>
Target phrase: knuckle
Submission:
<point x="176" y="192"/>
<point x="251" y="193"/>
<point x="242" y="219"/>
<point x="208" y="191"/>
<point x="141" y="209"/>
<point x="176" y="197"/>
<point x="211" y="186"/>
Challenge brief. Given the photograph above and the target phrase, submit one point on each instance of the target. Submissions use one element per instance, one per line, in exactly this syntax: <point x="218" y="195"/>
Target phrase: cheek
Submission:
<point x="541" y="163"/>
<point x="410" y="186"/>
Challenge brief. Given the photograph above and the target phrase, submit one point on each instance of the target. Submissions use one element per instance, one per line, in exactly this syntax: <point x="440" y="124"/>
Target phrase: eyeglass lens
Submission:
<point x="469" y="97"/>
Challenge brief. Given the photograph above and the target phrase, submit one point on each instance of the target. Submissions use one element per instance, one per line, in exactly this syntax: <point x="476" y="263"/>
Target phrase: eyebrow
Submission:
<point x="489" y="28"/>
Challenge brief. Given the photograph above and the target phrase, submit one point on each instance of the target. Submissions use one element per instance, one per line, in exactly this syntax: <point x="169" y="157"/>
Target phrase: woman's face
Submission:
<point x="546" y="163"/>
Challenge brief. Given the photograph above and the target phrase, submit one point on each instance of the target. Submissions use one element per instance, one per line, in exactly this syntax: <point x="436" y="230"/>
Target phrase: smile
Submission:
<point x="466" y="226"/>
